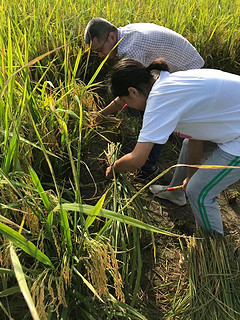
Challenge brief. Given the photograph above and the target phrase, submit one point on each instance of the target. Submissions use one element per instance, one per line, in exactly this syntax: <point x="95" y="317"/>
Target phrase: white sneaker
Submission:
<point x="177" y="197"/>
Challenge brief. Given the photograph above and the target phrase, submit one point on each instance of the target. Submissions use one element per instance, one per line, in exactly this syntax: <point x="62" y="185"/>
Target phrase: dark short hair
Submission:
<point x="131" y="73"/>
<point x="98" y="28"/>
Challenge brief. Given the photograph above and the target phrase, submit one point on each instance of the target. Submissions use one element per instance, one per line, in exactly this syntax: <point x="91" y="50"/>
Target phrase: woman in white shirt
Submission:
<point x="201" y="105"/>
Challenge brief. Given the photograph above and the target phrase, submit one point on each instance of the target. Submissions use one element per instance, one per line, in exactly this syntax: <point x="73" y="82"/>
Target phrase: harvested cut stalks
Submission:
<point x="214" y="277"/>
<point x="214" y="280"/>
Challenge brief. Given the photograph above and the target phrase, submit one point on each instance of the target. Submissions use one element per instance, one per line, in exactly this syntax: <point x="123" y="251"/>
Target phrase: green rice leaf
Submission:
<point x="5" y="220"/>
<point x="40" y="189"/>
<point x="128" y="308"/>
<point x="29" y="64"/>
<point x="66" y="228"/>
<point x="9" y="291"/>
<point x="12" y="150"/>
<point x="22" y="243"/>
<point x="76" y="66"/>
<point x="22" y="283"/>
<point x="89" y="285"/>
<point x="87" y="209"/>
<point x="69" y="112"/>
<point x="100" y="66"/>
<point x="50" y="219"/>
<point x="95" y="211"/>
<point x="5" y="311"/>
<point x="6" y="271"/>
<point x="10" y="134"/>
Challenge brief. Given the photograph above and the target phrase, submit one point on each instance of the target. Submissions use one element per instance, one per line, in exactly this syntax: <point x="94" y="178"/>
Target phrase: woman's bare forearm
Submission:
<point x="112" y="107"/>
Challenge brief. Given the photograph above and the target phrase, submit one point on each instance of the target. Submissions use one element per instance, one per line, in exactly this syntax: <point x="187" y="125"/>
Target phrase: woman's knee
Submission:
<point x="197" y="193"/>
<point x="193" y="190"/>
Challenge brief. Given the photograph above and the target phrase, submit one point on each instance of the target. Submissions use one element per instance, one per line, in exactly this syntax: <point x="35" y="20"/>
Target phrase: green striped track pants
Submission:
<point x="205" y="185"/>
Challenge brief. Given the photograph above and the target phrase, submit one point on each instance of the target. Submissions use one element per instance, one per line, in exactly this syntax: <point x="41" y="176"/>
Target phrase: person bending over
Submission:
<point x="201" y="105"/>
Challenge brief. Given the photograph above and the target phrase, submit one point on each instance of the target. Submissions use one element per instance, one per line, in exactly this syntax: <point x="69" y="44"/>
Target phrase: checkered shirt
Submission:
<point x="146" y="42"/>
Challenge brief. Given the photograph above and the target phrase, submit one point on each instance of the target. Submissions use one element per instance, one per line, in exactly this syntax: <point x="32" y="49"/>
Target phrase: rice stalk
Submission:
<point x="24" y="244"/>
<point x="22" y="283"/>
<point x="213" y="293"/>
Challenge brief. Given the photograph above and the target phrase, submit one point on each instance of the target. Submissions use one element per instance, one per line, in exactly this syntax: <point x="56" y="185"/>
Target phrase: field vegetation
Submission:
<point x="72" y="244"/>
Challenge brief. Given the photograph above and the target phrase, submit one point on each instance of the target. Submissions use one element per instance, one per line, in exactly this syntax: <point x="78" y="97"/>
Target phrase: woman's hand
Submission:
<point x="96" y="116"/>
<point x="109" y="172"/>
<point x="131" y="161"/>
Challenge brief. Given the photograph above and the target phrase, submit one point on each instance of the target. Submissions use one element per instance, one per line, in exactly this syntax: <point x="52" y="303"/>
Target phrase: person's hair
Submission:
<point x="131" y="73"/>
<point x="98" y="28"/>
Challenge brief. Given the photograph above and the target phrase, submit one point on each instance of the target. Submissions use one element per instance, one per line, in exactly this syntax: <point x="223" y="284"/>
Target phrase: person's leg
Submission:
<point x="150" y="167"/>
<point x="153" y="158"/>
<point x="206" y="184"/>
<point x="179" y="175"/>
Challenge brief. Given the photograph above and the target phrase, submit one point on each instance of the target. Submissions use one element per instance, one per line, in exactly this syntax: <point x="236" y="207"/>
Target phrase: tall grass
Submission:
<point x="65" y="253"/>
<point x="212" y="26"/>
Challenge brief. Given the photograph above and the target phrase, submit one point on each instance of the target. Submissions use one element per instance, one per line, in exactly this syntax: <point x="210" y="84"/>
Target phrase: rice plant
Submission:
<point x="59" y="255"/>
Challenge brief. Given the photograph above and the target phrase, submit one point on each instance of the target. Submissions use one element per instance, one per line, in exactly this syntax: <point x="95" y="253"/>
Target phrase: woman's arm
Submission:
<point x="112" y="107"/>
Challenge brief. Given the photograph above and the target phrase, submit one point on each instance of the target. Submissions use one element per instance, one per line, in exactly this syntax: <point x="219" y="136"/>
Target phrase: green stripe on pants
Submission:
<point x="206" y="190"/>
